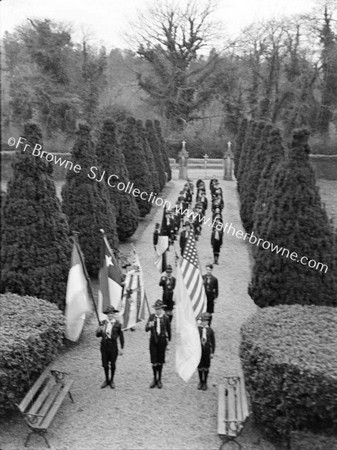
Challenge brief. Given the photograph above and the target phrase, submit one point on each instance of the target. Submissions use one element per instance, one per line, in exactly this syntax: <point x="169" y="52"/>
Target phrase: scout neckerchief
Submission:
<point x="158" y="322"/>
<point x="204" y="335"/>
<point x="108" y="328"/>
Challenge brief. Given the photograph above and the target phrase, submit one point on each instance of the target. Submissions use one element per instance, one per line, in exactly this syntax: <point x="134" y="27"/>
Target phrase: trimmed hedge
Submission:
<point x="289" y="358"/>
<point x="31" y="332"/>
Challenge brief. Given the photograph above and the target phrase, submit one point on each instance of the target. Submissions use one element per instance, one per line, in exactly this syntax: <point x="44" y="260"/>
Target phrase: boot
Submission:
<point x="106" y="382"/>
<point x="154" y="381"/>
<point x="200" y="380"/>
<point x="112" y="384"/>
<point x="204" y="387"/>
<point x="159" y="369"/>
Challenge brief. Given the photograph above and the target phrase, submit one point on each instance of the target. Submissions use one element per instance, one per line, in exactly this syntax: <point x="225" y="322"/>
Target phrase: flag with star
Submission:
<point x="163" y="244"/>
<point x="110" y="279"/>
<point x="192" y="277"/>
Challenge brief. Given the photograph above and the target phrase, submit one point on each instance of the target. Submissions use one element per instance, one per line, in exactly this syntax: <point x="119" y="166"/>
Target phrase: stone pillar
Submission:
<point x="228" y="163"/>
<point x="183" y="162"/>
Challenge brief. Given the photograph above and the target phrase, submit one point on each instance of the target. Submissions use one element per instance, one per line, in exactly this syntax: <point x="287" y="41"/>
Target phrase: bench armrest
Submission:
<point x="32" y="418"/>
<point x="58" y="374"/>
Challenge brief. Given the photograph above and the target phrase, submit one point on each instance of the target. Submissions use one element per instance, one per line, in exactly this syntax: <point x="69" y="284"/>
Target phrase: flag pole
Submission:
<point x="91" y="294"/>
<point x="146" y="300"/>
<point x="106" y="241"/>
<point x="114" y="251"/>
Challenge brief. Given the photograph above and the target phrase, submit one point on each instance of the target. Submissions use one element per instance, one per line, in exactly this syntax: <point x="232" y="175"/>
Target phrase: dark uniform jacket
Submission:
<point x="211" y="286"/>
<point x="165" y="328"/>
<point x="168" y="284"/>
<point x="210" y="338"/>
<point x="155" y="236"/>
<point x="216" y="238"/>
<point x="116" y="333"/>
<point x="183" y="239"/>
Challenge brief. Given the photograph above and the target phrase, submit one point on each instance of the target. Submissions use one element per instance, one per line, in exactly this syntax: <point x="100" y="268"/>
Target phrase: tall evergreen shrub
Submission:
<point x="155" y="147"/>
<point x="35" y="247"/>
<point x="297" y="222"/>
<point x="136" y="163"/>
<point x="240" y="139"/>
<point x="163" y="149"/>
<point x="252" y="178"/>
<point x="86" y="201"/>
<point x="111" y="159"/>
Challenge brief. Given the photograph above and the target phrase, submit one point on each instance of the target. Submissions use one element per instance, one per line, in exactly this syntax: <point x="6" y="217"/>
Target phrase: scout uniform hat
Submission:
<point x="111" y="310"/>
<point x="158" y="304"/>
<point x="206" y="316"/>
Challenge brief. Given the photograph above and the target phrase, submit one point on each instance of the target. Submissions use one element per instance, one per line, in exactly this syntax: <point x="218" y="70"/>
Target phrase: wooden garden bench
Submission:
<point x="232" y="409"/>
<point x="43" y="400"/>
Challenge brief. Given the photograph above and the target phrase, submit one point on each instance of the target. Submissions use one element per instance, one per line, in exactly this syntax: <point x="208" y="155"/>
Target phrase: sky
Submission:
<point x="108" y="20"/>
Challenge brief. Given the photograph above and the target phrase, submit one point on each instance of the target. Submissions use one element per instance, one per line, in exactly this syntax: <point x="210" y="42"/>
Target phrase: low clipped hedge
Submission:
<point x="289" y="359"/>
<point x="31" y="333"/>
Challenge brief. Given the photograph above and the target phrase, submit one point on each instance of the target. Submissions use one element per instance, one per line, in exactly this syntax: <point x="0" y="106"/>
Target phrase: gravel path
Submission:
<point x="177" y="417"/>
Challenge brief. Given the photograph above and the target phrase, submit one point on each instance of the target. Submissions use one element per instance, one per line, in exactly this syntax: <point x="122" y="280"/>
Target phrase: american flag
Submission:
<point x="192" y="277"/>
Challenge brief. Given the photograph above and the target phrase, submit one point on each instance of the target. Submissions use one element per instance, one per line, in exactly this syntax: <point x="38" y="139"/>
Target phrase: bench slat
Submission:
<point x="231" y="411"/>
<point x="34" y="409"/>
<point x="47" y="405"/>
<point x="32" y="392"/>
<point x="52" y="412"/>
<point x="221" y="410"/>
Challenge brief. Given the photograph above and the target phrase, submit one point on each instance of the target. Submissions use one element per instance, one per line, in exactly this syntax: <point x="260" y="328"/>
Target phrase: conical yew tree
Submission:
<point x="35" y="245"/>
<point x="252" y="178"/>
<point x="240" y="140"/>
<point x="264" y="192"/>
<point x="86" y="201"/>
<point x="163" y="149"/>
<point x="301" y="268"/>
<point x="136" y="163"/>
<point x="245" y="150"/>
<point x="149" y="157"/>
<point x="155" y="147"/>
<point x="111" y="159"/>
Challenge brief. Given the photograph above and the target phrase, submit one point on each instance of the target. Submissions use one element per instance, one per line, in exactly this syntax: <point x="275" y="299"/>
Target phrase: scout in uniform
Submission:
<point x="184" y="236"/>
<point x="156" y="235"/>
<point x="211" y="288"/>
<point x="216" y="240"/>
<point x="110" y="330"/>
<point x="160" y="328"/>
<point x="168" y="283"/>
<point x="207" y="340"/>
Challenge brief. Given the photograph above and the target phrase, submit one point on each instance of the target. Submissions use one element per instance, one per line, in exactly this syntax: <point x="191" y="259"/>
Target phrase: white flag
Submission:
<point x="188" y="348"/>
<point x="77" y="300"/>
